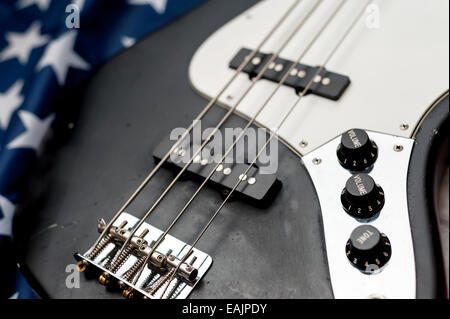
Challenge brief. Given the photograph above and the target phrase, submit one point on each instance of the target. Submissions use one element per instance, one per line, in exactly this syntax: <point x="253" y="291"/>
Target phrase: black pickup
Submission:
<point x="328" y="84"/>
<point x="256" y="189"/>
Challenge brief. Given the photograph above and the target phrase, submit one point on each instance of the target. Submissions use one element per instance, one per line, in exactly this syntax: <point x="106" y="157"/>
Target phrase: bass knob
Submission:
<point x="368" y="249"/>
<point x="362" y="198"/>
<point x="357" y="152"/>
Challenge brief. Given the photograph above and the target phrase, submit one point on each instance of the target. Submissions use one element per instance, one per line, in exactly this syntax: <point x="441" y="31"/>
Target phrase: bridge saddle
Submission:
<point x="121" y="270"/>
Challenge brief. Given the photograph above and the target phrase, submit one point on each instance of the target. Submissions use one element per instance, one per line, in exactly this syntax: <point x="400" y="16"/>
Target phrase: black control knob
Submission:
<point x="356" y="151"/>
<point x="368" y="249"/>
<point x="362" y="198"/>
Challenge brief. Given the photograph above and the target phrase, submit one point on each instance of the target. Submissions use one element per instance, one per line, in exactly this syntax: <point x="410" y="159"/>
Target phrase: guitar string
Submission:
<point x="218" y="126"/>
<point x="273" y="134"/>
<point x="197" y="118"/>
<point x="266" y="102"/>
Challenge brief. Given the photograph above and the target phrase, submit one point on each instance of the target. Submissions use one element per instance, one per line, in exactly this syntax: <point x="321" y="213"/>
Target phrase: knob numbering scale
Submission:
<point x="368" y="249"/>
<point x="357" y="152"/>
<point x="362" y="198"/>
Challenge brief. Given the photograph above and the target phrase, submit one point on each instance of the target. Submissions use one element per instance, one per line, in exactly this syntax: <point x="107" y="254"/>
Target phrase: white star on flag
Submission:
<point x="9" y="102"/>
<point x="79" y="3"/>
<point x="60" y="55"/>
<point x="128" y="42"/>
<point x="35" y="129"/>
<point x="7" y="209"/>
<point x="158" y="5"/>
<point x="20" y="45"/>
<point x="42" y="4"/>
<point x="15" y="295"/>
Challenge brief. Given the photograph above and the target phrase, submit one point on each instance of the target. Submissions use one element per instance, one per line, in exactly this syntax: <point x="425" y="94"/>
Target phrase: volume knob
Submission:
<point x="356" y="151"/>
<point x="362" y="198"/>
<point x="368" y="249"/>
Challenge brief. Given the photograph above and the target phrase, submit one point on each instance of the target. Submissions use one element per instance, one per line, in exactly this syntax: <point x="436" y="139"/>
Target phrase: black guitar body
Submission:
<point x="121" y="115"/>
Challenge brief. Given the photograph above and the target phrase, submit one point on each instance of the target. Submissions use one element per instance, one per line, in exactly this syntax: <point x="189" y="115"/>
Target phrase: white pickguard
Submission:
<point x="397" y="70"/>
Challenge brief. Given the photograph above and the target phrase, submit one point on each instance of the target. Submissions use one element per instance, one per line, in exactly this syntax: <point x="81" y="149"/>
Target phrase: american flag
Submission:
<point x="48" y="47"/>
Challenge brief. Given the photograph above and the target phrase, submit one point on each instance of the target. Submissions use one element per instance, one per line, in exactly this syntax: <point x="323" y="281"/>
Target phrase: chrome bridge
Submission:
<point x="121" y="270"/>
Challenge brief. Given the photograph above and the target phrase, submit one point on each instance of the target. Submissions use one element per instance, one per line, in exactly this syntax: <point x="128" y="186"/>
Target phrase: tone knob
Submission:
<point x="368" y="250"/>
<point x="362" y="198"/>
<point x="356" y="151"/>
